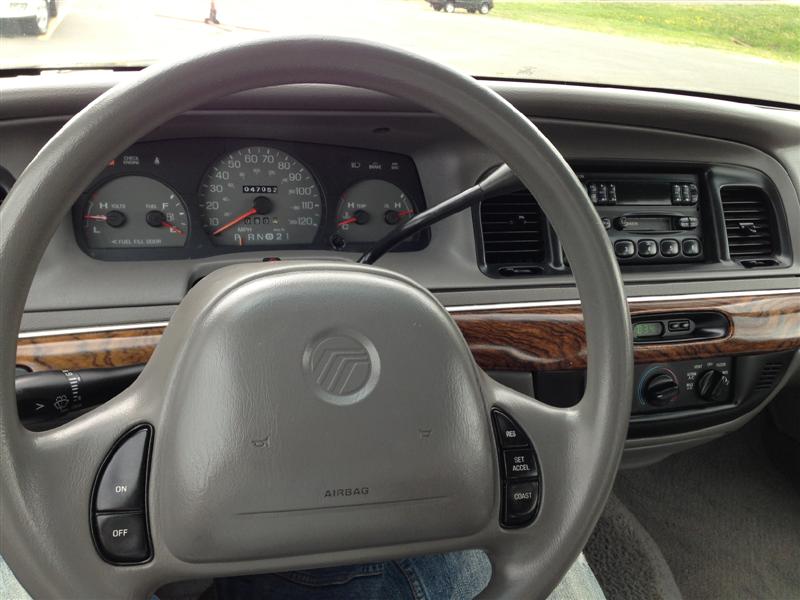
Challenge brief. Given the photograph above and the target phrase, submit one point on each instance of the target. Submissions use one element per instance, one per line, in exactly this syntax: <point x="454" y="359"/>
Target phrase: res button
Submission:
<point x="508" y="433"/>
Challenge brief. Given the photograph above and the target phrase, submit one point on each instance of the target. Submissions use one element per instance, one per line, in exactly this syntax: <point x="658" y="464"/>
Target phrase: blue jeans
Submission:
<point x="456" y="576"/>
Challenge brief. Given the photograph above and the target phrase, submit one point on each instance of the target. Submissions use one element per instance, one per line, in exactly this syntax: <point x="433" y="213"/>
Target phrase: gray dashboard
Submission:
<point x="586" y="124"/>
<point x="589" y="125"/>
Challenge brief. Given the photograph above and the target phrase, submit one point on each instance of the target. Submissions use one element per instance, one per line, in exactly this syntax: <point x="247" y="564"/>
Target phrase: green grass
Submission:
<point x="766" y="30"/>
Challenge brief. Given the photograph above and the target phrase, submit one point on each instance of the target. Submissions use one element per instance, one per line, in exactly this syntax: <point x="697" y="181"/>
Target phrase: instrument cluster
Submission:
<point x="192" y="198"/>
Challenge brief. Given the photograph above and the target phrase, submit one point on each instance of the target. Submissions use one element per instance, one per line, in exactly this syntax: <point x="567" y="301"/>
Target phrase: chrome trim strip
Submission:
<point x="452" y="309"/>
<point x="96" y="329"/>
<point x="631" y="300"/>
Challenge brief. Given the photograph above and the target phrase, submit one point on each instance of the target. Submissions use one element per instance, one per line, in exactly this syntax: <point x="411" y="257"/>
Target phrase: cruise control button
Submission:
<point x="624" y="248"/>
<point x="508" y="433"/>
<point x="123" y="538"/>
<point x="647" y="248"/>
<point x="122" y="482"/>
<point x="520" y="502"/>
<point x="519" y="464"/>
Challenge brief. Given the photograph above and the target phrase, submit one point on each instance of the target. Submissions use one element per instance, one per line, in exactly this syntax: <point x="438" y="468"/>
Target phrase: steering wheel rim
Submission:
<point x="579" y="448"/>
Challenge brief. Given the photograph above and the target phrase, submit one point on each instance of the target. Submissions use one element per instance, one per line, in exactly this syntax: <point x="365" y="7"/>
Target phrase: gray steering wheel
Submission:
<point x="241" y="361"/>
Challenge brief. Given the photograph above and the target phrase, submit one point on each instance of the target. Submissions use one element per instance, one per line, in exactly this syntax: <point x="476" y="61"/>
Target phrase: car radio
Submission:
<point x="650" y="218"/>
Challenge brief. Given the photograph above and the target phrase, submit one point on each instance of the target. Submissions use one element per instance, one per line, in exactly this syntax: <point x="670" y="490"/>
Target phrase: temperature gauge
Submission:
<point x="368" y="211"/>
<point x="134" y="212"/>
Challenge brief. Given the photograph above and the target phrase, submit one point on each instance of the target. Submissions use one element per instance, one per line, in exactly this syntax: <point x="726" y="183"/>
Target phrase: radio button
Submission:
<point x="691" y="247"/>
<point x="694" y="194"/>
<point x="676" y="194"/>
<point x="670" y="248"/>
<point x="606" y="222"/>
<point x="648" y="248"/>
<point x="624" y="249"/>
<point x="686" y="196"/>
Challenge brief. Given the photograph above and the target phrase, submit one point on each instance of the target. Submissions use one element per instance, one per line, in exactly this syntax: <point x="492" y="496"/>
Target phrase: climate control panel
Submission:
<point x="682" y="385"/>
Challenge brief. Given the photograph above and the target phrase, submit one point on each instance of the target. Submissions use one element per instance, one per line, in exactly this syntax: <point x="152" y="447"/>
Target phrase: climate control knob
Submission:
<point x="713" y="385"/>
<point x="660" y="389"/>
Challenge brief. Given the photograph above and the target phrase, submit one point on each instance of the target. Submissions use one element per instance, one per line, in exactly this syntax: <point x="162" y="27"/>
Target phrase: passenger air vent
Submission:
<point x="770" y="373"/>
<point x="748" y="223"/>
<point x="513" y="233"/>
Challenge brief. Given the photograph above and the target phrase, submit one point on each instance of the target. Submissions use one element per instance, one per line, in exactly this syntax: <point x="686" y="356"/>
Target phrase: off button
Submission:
<point x="519" y="464"/>
<point x="123" y="538"/>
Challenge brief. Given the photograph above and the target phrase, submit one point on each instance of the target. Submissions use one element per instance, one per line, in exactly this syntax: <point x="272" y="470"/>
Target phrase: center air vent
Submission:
<point x="748" y="223"/>
<point x="513" y="233"/>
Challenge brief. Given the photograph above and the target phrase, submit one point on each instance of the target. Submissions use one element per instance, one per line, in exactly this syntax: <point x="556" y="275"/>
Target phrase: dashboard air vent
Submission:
<point x="513" y="230"/>
<point x="748" y="222"/>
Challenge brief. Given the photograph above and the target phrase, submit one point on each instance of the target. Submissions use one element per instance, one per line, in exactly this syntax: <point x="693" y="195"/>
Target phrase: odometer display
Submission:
<point x="260" y="196"/>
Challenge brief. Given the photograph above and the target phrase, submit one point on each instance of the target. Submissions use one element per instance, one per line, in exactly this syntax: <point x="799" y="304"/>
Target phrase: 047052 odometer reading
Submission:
<point x="259" y="196"/>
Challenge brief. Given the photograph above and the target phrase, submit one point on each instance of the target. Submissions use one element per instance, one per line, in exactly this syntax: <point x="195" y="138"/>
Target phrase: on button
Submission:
<point x="122" y="481"/>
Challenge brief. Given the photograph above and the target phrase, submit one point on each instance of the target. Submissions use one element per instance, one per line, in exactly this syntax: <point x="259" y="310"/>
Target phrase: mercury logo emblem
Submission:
<point x="342" y="367"/>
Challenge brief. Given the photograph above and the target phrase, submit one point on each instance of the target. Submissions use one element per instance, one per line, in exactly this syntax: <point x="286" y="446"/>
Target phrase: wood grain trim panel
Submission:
<point x="522" y="339"/>
<point x="88" y="350"/>
<point x="554" y="338"/>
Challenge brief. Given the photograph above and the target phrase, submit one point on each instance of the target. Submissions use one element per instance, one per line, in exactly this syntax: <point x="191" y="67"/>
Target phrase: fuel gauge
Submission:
<point x="368" y="211"/>
<point x="134" y="212"/>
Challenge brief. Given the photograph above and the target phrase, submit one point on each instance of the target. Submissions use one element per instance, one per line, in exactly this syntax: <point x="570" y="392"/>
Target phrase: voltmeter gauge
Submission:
<point x="134" y="212"/>
<point x="368" y="211"/>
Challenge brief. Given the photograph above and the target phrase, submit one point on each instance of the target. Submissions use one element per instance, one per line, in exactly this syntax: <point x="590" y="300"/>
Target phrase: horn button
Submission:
<point x="315" y="408"/>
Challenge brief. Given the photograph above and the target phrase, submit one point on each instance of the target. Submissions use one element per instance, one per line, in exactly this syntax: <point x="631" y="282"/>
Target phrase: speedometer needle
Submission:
<point x="230" y="224"/>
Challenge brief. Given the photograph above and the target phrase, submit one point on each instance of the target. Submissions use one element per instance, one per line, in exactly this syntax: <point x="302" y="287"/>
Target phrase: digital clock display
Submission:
<point x="647" y="330"/>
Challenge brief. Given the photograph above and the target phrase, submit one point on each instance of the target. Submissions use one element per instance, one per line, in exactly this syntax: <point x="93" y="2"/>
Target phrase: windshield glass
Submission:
<point x="749" y="48"/>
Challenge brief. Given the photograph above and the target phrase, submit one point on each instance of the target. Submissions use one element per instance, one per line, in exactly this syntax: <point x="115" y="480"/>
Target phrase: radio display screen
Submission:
<point x="643" y="192"/>
<point x="656" y="223"/>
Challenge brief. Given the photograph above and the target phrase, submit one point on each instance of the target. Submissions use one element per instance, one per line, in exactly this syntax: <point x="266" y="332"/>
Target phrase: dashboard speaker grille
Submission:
<point x="512" y="228"/>
<point x="748" y="222"/>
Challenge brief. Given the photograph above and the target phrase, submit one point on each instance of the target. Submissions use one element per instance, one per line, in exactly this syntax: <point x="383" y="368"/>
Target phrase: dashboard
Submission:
<point x="191" y="198"/>
<point x="699" y="198"/>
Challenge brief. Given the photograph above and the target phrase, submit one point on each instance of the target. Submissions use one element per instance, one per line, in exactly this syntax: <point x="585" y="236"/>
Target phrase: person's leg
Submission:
<point x="10" y="588"/>
<point x="578" y="584"/>
<point x="454" y="576"/>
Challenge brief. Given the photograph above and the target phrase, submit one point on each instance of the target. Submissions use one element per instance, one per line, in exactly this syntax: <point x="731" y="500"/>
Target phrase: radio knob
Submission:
<point x="661" y="390"/>
<point x="620" y="223"/>
<point x="713" y="385"/>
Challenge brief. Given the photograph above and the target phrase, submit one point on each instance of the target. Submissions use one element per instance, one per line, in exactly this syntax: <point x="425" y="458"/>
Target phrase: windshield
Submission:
<point x="748" y="49"/>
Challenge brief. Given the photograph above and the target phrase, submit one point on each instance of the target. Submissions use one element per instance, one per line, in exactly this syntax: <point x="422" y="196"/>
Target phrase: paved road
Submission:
<point x="95" y="31"/>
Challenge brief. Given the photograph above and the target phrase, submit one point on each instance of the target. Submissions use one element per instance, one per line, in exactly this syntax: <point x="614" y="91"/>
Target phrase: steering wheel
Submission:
<point x="254" y="447"/>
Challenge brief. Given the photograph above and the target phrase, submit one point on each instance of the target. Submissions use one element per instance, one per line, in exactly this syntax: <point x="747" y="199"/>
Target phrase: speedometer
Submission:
<point x="260" y="196"/>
